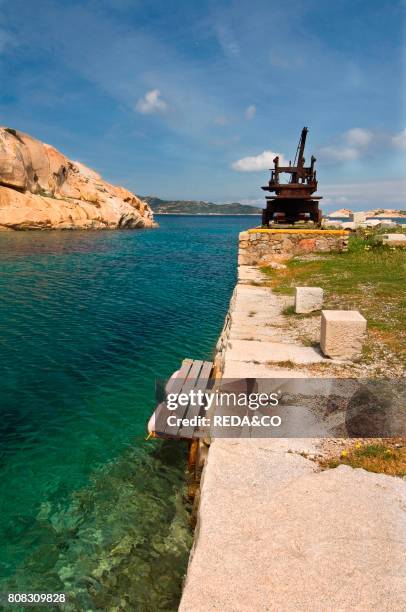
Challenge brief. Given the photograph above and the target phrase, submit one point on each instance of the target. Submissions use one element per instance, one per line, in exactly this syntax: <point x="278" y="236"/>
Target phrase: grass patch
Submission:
<point x="379" y="458"/>
<point x="308" y="342"/>
<point x="282" y="364"/>
<point x="366" y="278"/>
<point x="289" y="310"/>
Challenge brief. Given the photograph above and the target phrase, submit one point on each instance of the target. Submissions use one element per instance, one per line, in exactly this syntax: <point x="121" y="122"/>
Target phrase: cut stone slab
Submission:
<point x="255" y="320"/>
<point x="308" y="299"/>
<point x="250" y="275"/>
<point x="393" y="239"/>
<point x="372" y="222"/>
<point x="342" y="333"/>
<point x="275" y="536"/>
<point x="261" y="333"/>
<point x="271" y="352"/>
<point x="242" y="369"/>
<point x="358" y="217"/>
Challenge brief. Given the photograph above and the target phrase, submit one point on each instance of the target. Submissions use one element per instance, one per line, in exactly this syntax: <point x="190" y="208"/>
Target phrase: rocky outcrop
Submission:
<point x="40" y="188"/>
<point x="341" y="212"/>
<point x="376" y="212"/>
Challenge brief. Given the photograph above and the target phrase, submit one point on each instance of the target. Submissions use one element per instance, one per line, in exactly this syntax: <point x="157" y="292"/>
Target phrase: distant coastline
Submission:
<point x="198" y="207"/>
<point x="202" y="208"/>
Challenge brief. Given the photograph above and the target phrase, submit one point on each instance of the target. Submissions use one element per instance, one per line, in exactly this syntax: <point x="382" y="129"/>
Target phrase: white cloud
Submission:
<point x="399" y="140"/>
<point x="358" y="137"/>
<point x="356" y="142"/>
<point x="151" y="103"/>
<point x="250" y="112"/>
<point x="340" y="153"/>
<point x="263" y="161"/>
<point x="364" y="195"/>
<point x="227" y="40"/>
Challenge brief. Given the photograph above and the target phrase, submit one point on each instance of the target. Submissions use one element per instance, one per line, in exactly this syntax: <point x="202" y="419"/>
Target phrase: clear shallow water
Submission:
<point x="88" y="320"/>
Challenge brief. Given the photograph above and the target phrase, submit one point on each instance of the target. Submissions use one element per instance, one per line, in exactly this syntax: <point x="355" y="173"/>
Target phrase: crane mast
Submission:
<point x="293" y="201"/>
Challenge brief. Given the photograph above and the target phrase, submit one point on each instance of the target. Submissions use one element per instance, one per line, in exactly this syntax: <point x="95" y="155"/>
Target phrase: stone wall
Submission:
<point x="263" y="246"/>
<point x="222" y="342"/>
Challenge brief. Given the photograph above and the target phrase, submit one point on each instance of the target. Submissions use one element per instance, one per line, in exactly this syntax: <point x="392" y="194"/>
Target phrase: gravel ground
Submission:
<point x="377" y="361"/>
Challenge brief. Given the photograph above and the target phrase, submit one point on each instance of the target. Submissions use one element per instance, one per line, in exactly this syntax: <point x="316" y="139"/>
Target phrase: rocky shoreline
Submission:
<point x="40" y="188"/>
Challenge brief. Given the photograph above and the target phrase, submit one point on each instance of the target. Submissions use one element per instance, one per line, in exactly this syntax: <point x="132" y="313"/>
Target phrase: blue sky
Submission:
<point x="190" y="99"/>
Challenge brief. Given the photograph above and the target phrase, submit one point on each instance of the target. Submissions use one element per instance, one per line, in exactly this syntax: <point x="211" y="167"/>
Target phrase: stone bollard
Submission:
<point x="358" y="217"/>
<point x="393" y="239"/>
<point x="342" y="333"/>
<point x="308" y="299"/>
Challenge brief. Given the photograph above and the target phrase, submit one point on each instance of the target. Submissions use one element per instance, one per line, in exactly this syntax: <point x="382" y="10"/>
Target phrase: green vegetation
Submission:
<point x="370" y="277"/>
<point x="193" y="207"/>
<point x="283" y="364"/>
<point x="308" y="341"/>
<point x="377" y="457"/>
<point x="288" y="310"/>
<point x="368" y="236"/>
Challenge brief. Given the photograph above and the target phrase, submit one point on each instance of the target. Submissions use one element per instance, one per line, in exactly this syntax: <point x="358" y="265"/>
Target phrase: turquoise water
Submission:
<point x="88" y="321"/>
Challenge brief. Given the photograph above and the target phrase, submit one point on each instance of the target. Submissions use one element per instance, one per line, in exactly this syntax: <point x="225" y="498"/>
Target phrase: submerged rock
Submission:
<point x="40" y="188"/>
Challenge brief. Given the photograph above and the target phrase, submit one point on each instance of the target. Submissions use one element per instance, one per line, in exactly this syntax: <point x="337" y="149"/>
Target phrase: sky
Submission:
<point x="187" y="99"/>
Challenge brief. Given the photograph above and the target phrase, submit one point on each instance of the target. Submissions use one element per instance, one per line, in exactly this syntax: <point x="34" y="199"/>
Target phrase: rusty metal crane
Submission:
<point x="293" y="201"/>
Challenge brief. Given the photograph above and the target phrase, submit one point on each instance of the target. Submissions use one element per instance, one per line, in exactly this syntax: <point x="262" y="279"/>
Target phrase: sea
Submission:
<point x="88" y="322"/>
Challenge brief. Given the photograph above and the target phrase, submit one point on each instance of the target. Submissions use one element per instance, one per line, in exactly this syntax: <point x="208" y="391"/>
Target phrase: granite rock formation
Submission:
<point x="40" y="188"/>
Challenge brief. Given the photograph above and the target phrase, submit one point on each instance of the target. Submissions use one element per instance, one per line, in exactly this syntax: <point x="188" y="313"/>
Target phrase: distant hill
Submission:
<point x="194" y="207"/>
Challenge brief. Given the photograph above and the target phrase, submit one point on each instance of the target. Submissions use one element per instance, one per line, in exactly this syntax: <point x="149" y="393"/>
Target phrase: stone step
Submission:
<point x="272" y="352"/>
